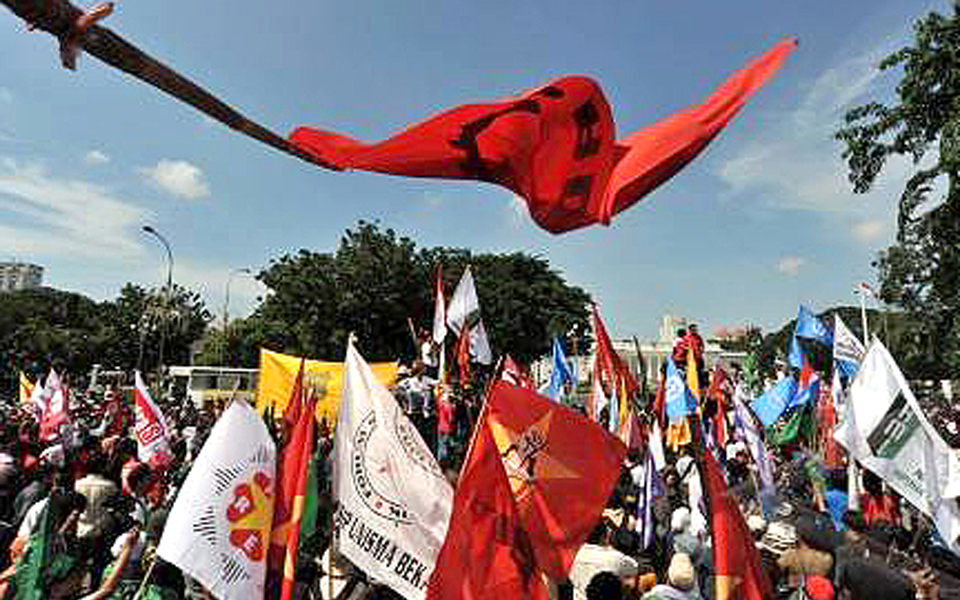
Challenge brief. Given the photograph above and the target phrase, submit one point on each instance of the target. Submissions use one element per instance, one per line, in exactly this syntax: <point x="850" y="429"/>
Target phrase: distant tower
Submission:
<point x="19" y="276"/>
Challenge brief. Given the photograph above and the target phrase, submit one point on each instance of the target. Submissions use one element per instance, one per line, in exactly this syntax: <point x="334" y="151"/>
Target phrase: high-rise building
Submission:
<point x="19" y="276"/>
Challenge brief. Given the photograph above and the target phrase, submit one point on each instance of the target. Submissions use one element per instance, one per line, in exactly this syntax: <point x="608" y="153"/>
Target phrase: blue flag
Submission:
<point x="806" y="394"/>
<point x="680" y="402"/>
<point x="795" y="355"/>
<point x="812" y="328"/>
<point x="561" y="372"/>
<point x="775" y="401"/>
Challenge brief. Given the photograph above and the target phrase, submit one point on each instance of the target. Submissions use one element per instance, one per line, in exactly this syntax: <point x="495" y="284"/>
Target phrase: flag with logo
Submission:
<point x="889" y="434"/>
<point x="219" y="526"/>
<point x="393" y="501"/>
<point x="561" y="468"/>
<point x="54" y="407"/>
<point x="153" y="434"/>
<point x="848" y="351"/>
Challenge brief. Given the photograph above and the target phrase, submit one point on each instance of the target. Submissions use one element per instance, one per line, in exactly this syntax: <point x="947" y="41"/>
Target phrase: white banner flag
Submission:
<point x="393" y="502"/>
<point x="846" y="346"/>
<point x="153" y="435"/>
<point x="887" y="432"/>
<point x="219" y="527"/>
<point x="463" y="304"/>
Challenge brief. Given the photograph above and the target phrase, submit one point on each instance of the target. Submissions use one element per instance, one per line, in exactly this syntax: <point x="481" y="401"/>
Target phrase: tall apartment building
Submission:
<point x="19" y="276"/>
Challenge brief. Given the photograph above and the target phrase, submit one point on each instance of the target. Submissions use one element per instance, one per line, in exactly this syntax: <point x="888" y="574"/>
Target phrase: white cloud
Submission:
<point x="795" y="163"/>
<point x="96" y="157"/>
<point x="790" y="265"/>
<point x="64" y="217"/>
<point x="178" y="177"/>
<point x="868" y="231"/>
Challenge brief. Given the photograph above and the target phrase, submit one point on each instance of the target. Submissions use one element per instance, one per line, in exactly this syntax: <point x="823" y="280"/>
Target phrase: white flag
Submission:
<point x="846" y="346"/>
<point x="463" y="304"/>
<point x="218" y="530"/>
<point x="393" y="502"/>
<point x="153" y="434"/>
<point x="439" y="313"/>
<point x="480" y="345"/>
<point x="888" y="433"/>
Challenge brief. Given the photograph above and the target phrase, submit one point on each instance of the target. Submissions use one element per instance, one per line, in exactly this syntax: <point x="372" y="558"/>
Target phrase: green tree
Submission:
<point x="377" y="280"/>
<point x="921" y="271"/>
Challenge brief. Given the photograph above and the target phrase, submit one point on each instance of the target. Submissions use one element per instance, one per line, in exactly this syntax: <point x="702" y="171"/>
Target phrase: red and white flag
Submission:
<point x="153" y="435"/>
<point x="53" y="407"/>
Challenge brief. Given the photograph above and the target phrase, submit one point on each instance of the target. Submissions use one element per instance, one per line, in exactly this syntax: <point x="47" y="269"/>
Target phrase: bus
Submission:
<point x="217" y="385"/>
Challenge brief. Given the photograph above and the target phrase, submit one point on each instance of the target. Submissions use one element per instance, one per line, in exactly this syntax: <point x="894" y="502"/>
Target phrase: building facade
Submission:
<point x="19" y="276"/>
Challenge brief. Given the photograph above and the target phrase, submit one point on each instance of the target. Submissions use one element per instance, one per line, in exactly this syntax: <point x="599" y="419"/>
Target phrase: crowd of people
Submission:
<point x="81" y="516"/>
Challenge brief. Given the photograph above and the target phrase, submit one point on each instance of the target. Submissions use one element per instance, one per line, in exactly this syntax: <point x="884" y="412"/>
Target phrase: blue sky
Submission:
<point x="762" y="221"/>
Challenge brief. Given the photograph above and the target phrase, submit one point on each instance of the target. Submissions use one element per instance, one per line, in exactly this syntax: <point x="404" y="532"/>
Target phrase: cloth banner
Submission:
<point x="393" y="501"/>
<point x="889" y="434"/>
<point x="153" y="434"/>
<point x="219" y="526"/>
<point x="325" y="379"/>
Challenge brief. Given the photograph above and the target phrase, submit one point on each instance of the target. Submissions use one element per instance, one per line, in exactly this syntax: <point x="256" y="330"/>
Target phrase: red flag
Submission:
<point x="736" y="561"/>
<point x="291" y="415"/>
<point x="611" y="366"/>
<point x="660" y="403"/>
<point x="561" y="468"/>
<point x="719" y="390"/>
<point x="554" y="146"/>
<point x="487" y="555"/>
<point x="289" y="462"/>
<point x="463" y="355"/>
<point x="290" y="529"/>
<point x="832" y="457"/>
<point x="513" y="374"/>
<point x="56" y="411"/>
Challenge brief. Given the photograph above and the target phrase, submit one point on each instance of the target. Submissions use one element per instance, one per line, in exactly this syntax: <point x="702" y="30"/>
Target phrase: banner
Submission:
<point x="219" y="526"/>
<point x="888" y="433"/>
<point x="325" y="379"/>
<point x="393" y="501"/>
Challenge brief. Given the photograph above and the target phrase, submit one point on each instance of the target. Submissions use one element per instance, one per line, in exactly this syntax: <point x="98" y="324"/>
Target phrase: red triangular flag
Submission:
<point x="554" y="146"/>
<point x="290" y="529"/>
<point x="736" y="560"/>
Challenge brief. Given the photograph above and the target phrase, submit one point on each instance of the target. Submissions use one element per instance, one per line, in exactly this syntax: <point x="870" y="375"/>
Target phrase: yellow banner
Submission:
<point x="26" y="388"/>
<point x="279" y="371"/>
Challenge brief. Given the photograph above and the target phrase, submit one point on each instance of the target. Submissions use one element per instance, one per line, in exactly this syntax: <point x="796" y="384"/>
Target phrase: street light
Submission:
<point x="226" y="309"/>
<point x="166" y="295"/>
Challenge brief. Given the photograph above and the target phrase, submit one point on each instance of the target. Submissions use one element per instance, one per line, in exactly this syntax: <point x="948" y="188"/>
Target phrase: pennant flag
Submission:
<point x="561" y="469"/>
<point x="26" y="389"/>
<point x="775" y="401"/>
<point x="302" y="442"/>
<point x="554" y="146"/>
<point x="736" y="560"/>
<point x="610" y="373"/>
<point x="219" y="526"/>
<point x="439" y="311"/>
<point x="393" y="501"/>
<point x="153" y="434"/>
<point x="464" y="305"/>
<point x="848" y="351"/>
<point x="561" y="372"/>
<point x="811" y="328"/>
<point x="513" y="374"/>
<point x="888" y="433"/>
<point x="487" y="554"/>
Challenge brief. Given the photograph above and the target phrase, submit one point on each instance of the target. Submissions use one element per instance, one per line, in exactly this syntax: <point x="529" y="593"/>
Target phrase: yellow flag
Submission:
<point x="693" y="381"/>
<point x="26" y="388"/>
<point x="278" y="371"/>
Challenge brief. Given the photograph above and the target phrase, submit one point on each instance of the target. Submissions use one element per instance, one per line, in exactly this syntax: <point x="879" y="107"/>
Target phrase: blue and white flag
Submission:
<point x="848" y="351"/>
<point x="650" y="488"/>
<point x="748" y="430"/>
<point x="562" y="373"/>
<point x="775" y="401"/>
<point x="680" y="402"/>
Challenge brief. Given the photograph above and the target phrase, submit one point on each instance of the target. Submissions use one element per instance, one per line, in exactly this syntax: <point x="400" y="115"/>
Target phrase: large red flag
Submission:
<point x="561" y="468"/>
<point x="290" y="529"/>
<point x="554" y="146"/>
<point x="487" y="554"/>
<point x="736" y="560"/>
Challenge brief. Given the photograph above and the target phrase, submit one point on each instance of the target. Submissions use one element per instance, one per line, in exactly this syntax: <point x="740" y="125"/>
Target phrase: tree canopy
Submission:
<point x="921" y="271"/>
<point x="376" y="280"/>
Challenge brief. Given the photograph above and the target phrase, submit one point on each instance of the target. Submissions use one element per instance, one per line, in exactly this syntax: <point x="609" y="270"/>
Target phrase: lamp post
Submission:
<point x="226" y="309"/>
<point x="166" y="296"/>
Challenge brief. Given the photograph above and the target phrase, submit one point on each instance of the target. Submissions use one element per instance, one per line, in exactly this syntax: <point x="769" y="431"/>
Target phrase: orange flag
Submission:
<point x="736" y="561"/>
<point x="561" y="467"/>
